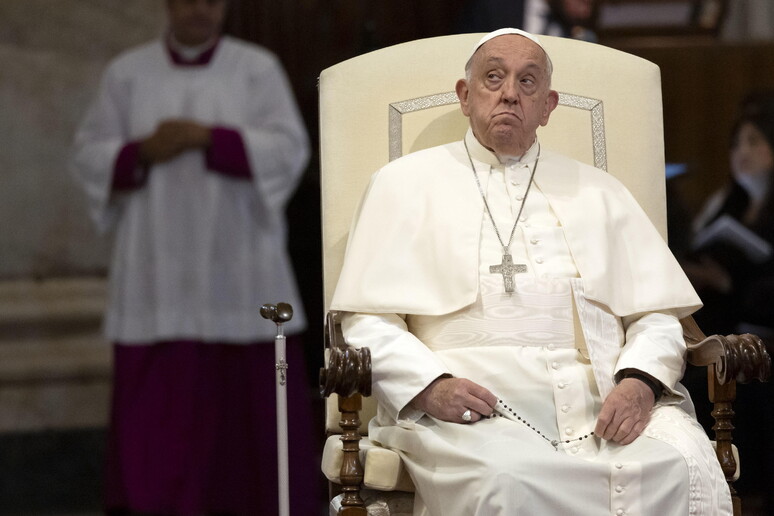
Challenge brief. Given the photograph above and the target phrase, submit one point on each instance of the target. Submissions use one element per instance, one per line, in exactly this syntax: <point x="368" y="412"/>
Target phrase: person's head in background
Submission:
<point x="752" y="145"/>
<point x="577" y="16"/>
<point x="196" y="22"/>
<point x="576" y="12"/>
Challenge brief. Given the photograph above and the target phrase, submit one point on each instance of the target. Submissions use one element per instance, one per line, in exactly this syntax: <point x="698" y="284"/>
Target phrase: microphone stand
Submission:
<point x="280" y="314"/>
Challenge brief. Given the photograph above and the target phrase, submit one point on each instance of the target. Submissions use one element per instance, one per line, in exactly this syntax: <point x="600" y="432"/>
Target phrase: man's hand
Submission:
<point x="171" y="138"/>
<point x="625" y="412"/>
<point x="448" y="398"/>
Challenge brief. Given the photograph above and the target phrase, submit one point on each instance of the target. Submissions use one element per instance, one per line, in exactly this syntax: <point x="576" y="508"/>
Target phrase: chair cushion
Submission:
<point x="383" y="468"/>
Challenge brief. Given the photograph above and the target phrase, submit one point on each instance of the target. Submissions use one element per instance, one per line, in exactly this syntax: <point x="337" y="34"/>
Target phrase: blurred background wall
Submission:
<point x="54" y="364"/>
<point x="52" y="53"/>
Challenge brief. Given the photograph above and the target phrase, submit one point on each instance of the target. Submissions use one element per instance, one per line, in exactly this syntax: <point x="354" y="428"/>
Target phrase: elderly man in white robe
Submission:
<point x="522" y="315"/>
<point x="191" y="152"/>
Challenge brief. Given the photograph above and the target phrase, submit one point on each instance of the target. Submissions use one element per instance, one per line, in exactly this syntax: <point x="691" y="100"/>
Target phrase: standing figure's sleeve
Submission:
<point x="402" y="365"/>
<point x="274" y="136"/>
<point x="99" y="140"/>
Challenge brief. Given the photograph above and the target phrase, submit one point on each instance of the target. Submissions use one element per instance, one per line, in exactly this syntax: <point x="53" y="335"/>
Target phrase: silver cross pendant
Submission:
<point x="507" y="268"/>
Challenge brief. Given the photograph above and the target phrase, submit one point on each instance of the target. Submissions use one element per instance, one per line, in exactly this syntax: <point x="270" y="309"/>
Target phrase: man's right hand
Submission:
<point x="171" y="138"/>
<point x="448" y="398"/>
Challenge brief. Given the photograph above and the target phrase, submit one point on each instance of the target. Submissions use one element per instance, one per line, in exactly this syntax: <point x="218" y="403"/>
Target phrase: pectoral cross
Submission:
<point x="507" y="268"/>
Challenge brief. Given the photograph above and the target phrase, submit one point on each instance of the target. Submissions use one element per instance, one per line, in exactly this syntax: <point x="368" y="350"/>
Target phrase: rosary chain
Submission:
<point x="554" y="442"/>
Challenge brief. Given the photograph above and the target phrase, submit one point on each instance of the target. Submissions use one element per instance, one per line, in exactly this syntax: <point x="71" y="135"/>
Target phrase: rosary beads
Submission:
<point x="515" y="417"/>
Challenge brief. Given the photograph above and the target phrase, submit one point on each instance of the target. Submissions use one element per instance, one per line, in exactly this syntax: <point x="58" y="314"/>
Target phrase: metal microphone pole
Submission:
<point x="280" y="314"/>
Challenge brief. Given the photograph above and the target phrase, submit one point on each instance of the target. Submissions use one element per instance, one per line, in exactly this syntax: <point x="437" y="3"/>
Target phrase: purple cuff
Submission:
<point x="128" y="173"/>
<point x="227" y="155"/>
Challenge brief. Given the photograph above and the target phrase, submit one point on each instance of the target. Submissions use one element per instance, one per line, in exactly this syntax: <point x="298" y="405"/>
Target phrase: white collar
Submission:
<point x="484" y="155"/>
<point x="189" y="53"/>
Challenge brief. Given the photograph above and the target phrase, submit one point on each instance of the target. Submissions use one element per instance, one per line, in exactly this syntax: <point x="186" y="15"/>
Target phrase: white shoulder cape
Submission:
<point x="414" y="246"/>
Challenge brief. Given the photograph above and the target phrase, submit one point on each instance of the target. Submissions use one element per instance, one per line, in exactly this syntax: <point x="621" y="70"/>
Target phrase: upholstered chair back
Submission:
<point x="381" y="105"/>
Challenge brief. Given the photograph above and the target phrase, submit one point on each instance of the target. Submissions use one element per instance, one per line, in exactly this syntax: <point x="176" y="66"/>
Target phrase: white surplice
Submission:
<point x="196" y="253"/>
<point x="523" y="348"/>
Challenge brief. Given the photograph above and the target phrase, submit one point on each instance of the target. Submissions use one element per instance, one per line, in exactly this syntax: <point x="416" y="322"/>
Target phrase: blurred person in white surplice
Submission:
<point x="190" y="153"/>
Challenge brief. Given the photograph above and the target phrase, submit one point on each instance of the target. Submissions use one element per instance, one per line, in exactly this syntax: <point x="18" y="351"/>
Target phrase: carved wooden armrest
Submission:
<point x="729" y="360"/>
<point x="348" y="374"/>
<point x="348" y="371"/>
<point x="736" y="358"/>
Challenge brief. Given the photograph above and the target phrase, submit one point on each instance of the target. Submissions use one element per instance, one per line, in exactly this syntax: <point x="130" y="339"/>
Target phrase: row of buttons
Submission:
<point x="619" y="489"/>
<point x="568" y="431"/>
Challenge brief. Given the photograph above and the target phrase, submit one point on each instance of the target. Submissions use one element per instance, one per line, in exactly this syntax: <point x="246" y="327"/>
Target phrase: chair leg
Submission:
<point x="351" y="468"/>
<point x="722" y="397"/>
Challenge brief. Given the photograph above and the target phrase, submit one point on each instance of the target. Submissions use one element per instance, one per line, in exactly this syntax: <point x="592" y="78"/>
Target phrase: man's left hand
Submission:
<point x="625" y="412"/>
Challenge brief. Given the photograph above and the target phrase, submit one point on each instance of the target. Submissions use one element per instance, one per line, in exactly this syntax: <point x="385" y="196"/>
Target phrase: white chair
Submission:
<point x="378" y="106"/>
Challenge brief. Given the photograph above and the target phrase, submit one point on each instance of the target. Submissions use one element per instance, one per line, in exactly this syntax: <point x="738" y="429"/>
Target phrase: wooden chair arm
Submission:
<point x="740" y="358"/>
<point x="347" y="374"/>
<point x="729" y="360"/>
<point x="349" y="370"/>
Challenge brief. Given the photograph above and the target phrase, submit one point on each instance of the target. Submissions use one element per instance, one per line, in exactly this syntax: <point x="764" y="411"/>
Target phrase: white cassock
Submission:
<point x="196" y="253"/>
<point x="549" y="351"/>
